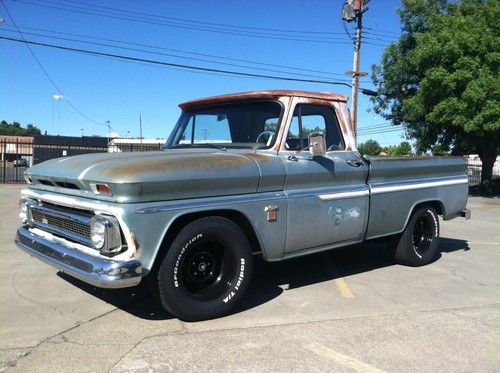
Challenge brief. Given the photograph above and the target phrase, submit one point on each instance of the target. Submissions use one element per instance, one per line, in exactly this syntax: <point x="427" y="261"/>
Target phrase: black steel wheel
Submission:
<point x="418" y="244"/>
<point x="206" y="270"/>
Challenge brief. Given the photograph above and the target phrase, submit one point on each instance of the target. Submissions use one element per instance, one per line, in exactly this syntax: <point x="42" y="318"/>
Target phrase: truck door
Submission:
<point x="327" y="195"/>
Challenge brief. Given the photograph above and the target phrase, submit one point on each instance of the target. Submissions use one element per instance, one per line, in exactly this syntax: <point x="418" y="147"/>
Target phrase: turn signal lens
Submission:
<point x="102" y="189"/>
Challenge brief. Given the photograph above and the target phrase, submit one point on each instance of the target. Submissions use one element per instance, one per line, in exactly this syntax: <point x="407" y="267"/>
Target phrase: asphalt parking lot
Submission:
<point x="348" y="310"/>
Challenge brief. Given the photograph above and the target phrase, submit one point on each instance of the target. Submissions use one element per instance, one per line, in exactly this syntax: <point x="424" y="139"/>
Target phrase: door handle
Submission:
<point x="355" y="163"/>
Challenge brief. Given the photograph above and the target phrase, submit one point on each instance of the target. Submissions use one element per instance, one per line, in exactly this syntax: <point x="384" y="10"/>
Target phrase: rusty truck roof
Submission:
<point x="261" y="95"/>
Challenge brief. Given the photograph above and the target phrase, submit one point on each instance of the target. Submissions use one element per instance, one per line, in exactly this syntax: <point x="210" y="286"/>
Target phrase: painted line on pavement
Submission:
<point x="344" y="289"/>
<point x="341" y="283"/>
<point x="342" y="359"/>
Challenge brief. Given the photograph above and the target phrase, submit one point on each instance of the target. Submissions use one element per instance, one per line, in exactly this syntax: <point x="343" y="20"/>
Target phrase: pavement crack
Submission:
<point x="28" y="299"/>
<point x="125" y="354"/>
<point x="14" y="362"/>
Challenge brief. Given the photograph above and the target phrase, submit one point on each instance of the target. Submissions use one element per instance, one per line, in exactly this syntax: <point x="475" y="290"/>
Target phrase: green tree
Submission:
<point x="370" y="147"/>
<point x="399" y="150"/>
<point x="439" y="150"/>
<point x="440" y="80"/>
<point x="15" y="129"/>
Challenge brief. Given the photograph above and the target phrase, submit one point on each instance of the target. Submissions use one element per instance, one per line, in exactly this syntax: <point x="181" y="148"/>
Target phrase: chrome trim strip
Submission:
<point x="343" y="195"/>
<point x="258" y="197"/>
<point x="101" y="272"/>
<point x="319" y="192"/>
<point x="61" y="214"/>
<point x="418" y="184"/>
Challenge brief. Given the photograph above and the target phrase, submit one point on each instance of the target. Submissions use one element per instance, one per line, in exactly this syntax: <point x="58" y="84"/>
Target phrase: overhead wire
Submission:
<point x="45" y="72"/>
<point x="175" y="56"/>
<point x="170" y="64"/>
<point x="81" y="10"/>
<point x="204" y="22"/>
<point x="179" y="51"/>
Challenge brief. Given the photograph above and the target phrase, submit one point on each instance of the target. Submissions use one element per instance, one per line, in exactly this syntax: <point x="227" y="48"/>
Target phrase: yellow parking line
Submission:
<point x="342" y="359"/>
<point x="344" y="288"/>
<point x="341" y="283"/>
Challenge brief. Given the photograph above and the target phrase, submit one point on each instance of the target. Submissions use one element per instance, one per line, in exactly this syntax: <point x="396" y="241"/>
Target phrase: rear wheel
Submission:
<point x="206" y="270"/>
<point x="418" y="244"/>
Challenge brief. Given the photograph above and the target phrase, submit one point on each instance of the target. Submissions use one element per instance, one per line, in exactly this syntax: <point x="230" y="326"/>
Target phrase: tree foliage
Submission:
<point x="404" y="148"/>
<point x="440" y="80"/>
<point x="15" y="129"/>
<point x="370" y="147"/>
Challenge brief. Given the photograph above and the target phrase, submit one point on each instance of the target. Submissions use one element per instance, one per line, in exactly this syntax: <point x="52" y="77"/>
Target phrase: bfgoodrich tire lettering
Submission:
<point x="418" y="244"/>
<point x="206" y="270"/>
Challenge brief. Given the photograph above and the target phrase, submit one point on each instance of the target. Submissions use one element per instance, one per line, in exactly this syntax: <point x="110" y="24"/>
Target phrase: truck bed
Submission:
<point x="398" y="184"/>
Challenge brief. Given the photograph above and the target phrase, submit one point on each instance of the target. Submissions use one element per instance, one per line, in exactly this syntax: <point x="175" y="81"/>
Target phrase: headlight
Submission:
<point x="23" y="211"/>
<point x="105" y="234"/>
<point x="97" y="233"/>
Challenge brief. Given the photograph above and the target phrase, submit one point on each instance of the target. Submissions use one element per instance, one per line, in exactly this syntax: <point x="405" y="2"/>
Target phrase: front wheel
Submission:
<point x="206" y="271"/>
<point x="418" y="244"/>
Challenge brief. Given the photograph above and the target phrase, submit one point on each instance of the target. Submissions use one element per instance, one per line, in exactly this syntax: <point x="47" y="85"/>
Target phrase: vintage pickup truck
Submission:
<point x="270" y="172"/>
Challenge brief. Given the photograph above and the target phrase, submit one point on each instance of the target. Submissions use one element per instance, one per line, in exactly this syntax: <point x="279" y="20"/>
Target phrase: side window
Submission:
<point x="308" y="119"/>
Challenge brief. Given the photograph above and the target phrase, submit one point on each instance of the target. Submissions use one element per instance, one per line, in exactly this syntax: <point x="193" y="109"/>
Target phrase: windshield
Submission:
<point x="237" y="125"/>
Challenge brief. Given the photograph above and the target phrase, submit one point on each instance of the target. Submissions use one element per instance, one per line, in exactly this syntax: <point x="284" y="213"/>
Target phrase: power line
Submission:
<point x="204" y="22"/>
<point x="169" y="54"/>
<point x="45" y="72"/>
<point x="179" y="51"/>
<point x="164" y="63"/>
<point x="80" y="10"/>
<point x="381" y="131"/>
<point x="382" y="31"/>
<point x="376" y="125"/>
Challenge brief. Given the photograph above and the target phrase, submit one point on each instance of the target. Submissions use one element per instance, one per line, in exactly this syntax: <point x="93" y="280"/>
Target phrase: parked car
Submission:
<point x="270" y="172"/>
<point x="20" y="162"/>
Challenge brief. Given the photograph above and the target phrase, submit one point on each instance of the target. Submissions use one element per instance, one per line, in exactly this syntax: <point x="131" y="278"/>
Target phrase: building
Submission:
<point x="119" y="145"/>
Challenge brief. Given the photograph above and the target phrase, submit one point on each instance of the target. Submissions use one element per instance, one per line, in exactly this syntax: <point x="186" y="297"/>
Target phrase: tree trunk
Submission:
<point x="487" y="167"/>
<point x="487" y="149"/>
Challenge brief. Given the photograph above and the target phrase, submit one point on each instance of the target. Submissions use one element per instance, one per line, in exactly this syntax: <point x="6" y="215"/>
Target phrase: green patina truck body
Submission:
<point x="270" y="172"/>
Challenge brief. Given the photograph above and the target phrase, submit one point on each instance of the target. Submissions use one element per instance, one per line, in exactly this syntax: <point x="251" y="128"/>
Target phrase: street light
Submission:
<point x="108" y="128"/>
<point x="57" y="97"/>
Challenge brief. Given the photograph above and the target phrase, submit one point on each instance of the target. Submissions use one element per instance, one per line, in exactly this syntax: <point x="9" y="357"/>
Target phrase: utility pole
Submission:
<point x="140" y="127"/>
<point x="353" y="11"/>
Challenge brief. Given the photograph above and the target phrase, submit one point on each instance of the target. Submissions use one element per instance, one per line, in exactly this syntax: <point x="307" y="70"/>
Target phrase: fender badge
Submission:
<point x="272" y="213"/>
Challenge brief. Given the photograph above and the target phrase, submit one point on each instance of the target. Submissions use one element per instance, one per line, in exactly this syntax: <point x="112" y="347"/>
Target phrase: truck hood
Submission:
<point x="150" y="176"/>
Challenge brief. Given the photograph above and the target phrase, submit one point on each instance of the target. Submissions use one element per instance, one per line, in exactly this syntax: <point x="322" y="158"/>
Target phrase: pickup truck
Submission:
<point x="274" y="173"/>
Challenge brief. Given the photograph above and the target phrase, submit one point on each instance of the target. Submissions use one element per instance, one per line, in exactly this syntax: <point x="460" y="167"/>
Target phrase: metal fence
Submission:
<point x="20" y="153"/>
<point x="15" y="156"/>
<point x="474" y="169"/>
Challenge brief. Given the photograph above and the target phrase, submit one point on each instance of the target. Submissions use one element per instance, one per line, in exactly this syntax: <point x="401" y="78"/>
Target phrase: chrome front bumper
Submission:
<point x="100" y="272"/>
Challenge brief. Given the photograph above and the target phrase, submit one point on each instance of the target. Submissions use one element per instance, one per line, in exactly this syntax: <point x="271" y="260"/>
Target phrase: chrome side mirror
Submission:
<point x="317" y="144"/>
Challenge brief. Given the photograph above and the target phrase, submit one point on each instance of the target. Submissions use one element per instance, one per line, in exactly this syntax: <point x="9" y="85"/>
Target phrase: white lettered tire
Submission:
<point x="418" y="244"/>
<point x="206" y="271"/>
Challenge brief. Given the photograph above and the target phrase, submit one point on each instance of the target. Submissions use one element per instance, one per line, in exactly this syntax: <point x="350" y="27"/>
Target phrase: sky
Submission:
<point x="259" y="37"/>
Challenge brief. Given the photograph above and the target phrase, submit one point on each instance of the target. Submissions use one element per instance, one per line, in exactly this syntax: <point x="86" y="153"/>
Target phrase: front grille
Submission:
<point x="65" y="222"/>
<point x="75" y="227"/>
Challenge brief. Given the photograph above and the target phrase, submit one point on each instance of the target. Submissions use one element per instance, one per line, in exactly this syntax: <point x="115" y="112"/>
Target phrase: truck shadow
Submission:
<point x="270" y="280"/>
